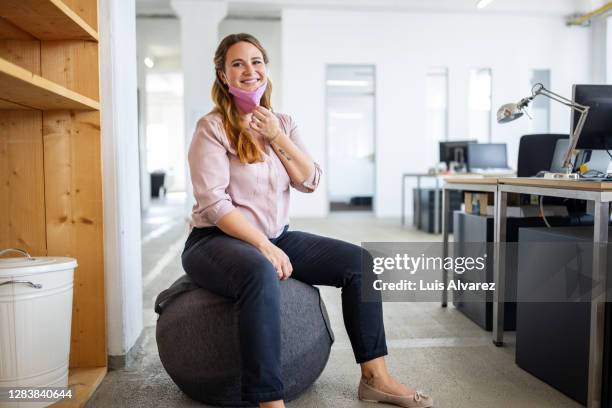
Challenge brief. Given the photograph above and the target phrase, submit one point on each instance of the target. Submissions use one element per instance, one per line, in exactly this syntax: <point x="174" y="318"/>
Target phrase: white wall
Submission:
<point x="599" y="28"/>
<point x="609" y="50"/>
<point x="403" y="46"/>
<point x="268" y="33"/>
<point x="122" y="259"/>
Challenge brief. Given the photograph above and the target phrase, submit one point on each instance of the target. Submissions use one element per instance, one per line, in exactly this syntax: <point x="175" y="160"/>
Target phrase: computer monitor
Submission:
<point x="455" y="151"/>
<point x="483" y="156"/>
<point x="597" y="130"/>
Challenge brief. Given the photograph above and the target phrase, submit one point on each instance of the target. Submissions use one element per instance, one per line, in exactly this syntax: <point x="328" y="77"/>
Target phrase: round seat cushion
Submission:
<point x="198" y="344"/>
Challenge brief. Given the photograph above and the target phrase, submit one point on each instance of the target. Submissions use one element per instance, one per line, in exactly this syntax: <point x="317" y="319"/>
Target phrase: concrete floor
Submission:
<point x="430" y="348"/>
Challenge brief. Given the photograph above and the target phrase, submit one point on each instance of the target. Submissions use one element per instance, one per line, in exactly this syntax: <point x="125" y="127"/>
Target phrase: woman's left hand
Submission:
<point x="266" y="123"/>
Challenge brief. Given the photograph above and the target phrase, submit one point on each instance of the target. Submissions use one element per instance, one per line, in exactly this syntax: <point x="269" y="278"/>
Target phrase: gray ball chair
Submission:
<point x="197" y="340"/>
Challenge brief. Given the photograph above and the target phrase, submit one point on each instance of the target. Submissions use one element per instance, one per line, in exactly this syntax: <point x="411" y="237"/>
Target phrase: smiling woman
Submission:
<point x="244" y="157"/>
<point x="239" y="70"/>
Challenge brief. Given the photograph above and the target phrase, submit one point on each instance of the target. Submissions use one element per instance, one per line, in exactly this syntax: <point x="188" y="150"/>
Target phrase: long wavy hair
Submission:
<point x="247" y="149"/>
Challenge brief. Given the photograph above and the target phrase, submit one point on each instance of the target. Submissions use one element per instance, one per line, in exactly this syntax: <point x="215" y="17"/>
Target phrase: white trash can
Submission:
<point x="35" y="323"/>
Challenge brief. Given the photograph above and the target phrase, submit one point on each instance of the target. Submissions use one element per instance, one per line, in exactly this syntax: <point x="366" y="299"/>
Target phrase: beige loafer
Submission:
<point x="367" y="393"/>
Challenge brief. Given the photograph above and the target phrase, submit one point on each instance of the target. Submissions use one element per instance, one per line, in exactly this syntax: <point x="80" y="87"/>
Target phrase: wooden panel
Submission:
<point x="7" y="105"/>
<point x="9" y="31"/>
<point x="47" y="19"/>
<point x="73" y="190"/>
<point x="20" y="86"/>
<point x="472" y="180"/>
<point x="83" y="382"/>
<point x="22" y="205"/>
<point x="86" y="9"/>
<point x="24" y="53"/>
<point x="72" y="64"/>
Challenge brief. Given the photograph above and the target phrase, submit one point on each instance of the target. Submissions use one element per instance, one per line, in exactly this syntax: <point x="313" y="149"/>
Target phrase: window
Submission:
<point x="436" y="99"/>
<point x="479" y="104"/>
<point x="540" y="107"/>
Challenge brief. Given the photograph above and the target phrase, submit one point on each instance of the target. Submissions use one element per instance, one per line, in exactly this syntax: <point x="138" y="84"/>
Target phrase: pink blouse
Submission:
<point x="221" y="182"/>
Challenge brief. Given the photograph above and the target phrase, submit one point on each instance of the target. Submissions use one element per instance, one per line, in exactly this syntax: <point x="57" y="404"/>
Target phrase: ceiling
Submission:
<point x="272" y="8"/>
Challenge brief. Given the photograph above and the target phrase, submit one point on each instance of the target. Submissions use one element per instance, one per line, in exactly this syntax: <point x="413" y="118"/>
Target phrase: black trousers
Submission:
<point x="234" y="268"/>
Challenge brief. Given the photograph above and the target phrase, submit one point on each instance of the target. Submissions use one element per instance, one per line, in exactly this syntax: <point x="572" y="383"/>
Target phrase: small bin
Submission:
<point x="157" y="183"/>
<point x="35" y="323"/>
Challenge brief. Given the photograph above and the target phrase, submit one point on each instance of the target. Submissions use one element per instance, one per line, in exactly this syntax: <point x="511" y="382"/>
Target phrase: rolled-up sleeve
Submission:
<point x="312" y="181"/>
<point x="210" y="172"/>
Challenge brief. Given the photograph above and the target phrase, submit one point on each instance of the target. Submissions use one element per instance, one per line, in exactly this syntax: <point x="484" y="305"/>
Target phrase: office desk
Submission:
<point x="438" y="178"/>
<point x="418" y="177"/>
<point x="600" y="193"/>
<point x="478" y="184"/>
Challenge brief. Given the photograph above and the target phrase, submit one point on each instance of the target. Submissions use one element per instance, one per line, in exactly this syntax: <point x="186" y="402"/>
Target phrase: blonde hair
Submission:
<point x="247" y="149"/>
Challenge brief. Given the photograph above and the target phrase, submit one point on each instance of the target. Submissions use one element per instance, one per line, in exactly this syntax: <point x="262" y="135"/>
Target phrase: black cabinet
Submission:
<point x="424" y="208"/>
<point x="478" y="306"/>
<point x="552" y="339"/>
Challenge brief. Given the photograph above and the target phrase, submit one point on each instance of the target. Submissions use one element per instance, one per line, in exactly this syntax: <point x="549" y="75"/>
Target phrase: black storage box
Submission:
<point x="552" y="339"/>
<point x="425" y="219"/>
<point x="480" y="228"/>
<point x="157" y="183"/>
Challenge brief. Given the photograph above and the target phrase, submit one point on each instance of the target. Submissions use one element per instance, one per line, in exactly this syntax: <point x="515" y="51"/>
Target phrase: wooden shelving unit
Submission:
<point x="21" y="87"/>
<point x="51" y="162"/>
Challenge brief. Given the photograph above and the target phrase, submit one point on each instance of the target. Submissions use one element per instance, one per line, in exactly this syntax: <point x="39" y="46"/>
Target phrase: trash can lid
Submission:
<point x="32" y="265"/>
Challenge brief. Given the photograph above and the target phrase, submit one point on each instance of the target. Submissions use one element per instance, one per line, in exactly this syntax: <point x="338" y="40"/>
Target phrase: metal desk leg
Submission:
<point x="403" y="201"/>
<point x="417" y="209"/>
<point x="598" y="303"/>
<point x="499" y="265"/>
<point x="437" y="207"/>
<point x="445" y="221"/>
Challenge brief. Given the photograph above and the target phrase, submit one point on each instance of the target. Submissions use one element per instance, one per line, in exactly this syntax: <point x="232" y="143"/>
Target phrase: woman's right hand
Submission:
<point x="278" y="258"/>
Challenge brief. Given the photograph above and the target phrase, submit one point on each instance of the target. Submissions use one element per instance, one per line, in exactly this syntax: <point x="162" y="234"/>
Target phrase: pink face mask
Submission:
<point x="246" y="101"/>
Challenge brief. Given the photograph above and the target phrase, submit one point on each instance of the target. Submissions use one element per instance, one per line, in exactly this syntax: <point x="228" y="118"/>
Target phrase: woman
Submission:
<point x="243" y="159"/>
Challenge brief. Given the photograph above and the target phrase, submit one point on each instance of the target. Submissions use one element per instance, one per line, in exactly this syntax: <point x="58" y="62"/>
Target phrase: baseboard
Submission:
<point x="126" y="360"/>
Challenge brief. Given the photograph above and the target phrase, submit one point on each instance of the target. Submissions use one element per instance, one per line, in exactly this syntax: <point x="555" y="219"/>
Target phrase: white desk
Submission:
<point x="600" y="193"/>
<point x="439" y="178"/>
<point x="476" y="184"/>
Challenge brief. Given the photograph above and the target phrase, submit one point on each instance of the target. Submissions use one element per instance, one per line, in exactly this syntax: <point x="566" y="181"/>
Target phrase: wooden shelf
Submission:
<point x="19" y="86"/>
<point x="83" y="382"/>
<point x="6" y="105"/>
<point x="51" y="191"/>
<point x="47" y="19"/>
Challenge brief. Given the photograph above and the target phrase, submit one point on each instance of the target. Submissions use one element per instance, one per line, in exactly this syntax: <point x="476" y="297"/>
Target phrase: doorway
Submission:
<point x="350" y="131"/>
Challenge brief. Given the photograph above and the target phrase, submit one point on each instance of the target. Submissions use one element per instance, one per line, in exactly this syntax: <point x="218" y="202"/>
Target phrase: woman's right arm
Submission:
<point x="210" y="176"/>
<point x="235" y="224"/>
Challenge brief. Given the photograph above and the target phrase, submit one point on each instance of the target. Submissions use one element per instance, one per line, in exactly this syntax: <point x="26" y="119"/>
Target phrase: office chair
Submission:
<point x="536" y="153"/>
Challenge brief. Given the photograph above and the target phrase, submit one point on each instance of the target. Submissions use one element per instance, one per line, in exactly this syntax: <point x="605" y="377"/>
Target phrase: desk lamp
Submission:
<point x="511" y="111"/>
